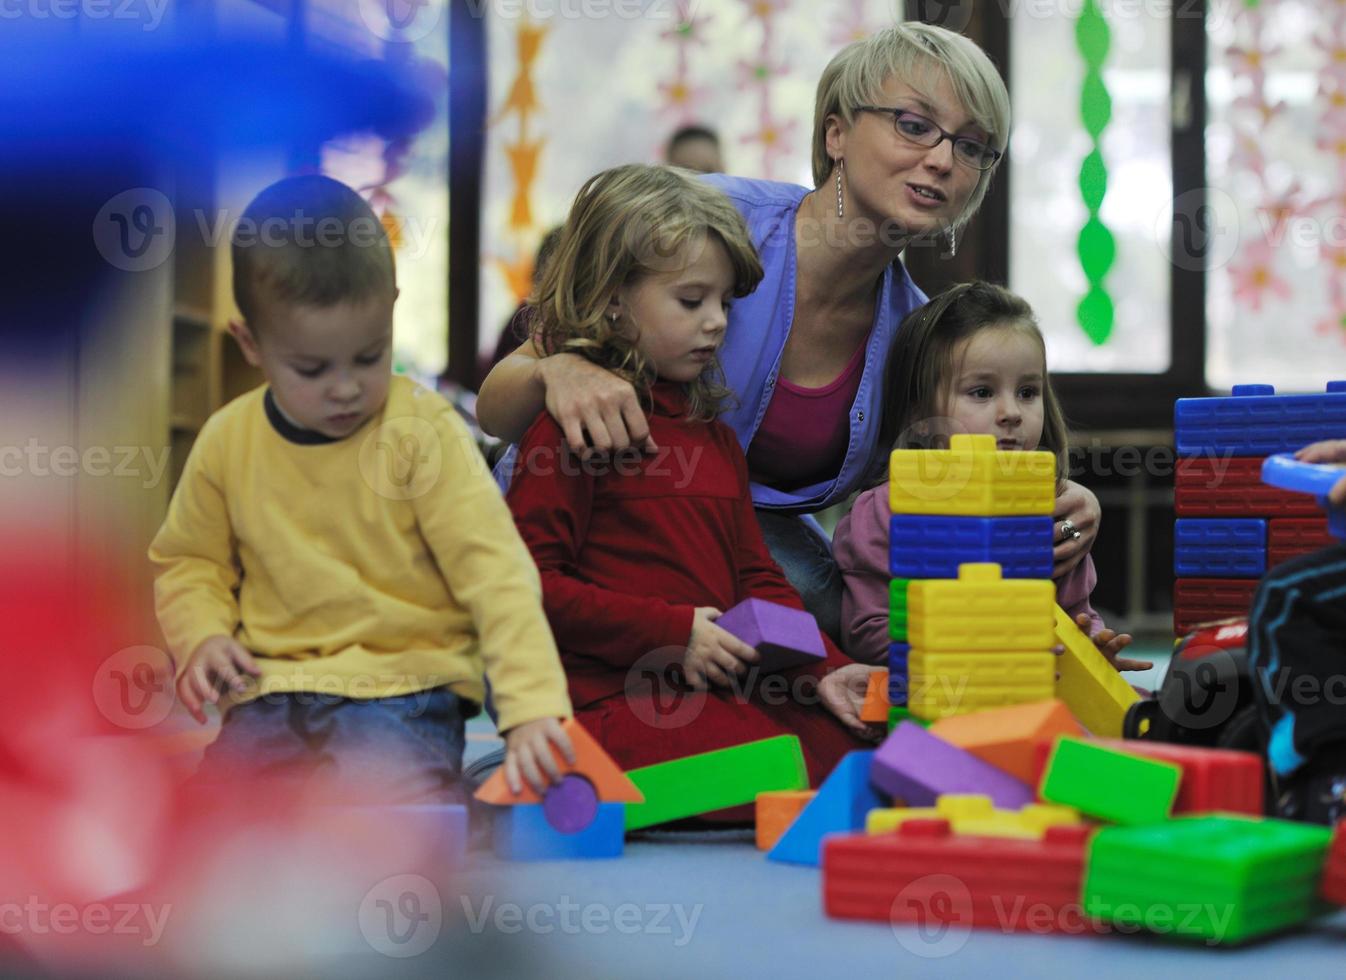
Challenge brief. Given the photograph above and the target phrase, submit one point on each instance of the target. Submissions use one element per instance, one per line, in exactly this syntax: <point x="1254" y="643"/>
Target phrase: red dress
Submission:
<point x="627" y="548"/>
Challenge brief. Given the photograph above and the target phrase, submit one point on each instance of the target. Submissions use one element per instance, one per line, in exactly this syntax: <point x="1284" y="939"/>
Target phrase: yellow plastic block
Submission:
<point x="1008" y="738"/>
<point x="944" y="684"/>
<point x="980" y="611"/>
<point x="974" y="815"/>
<point x="1093" y="690"/>
<point x="971" y="479"/>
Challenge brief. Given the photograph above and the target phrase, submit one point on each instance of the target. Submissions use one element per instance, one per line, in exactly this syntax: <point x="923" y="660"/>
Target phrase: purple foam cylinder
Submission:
<point x="917" y="766"/>
<point x="784" y="637"/>
<point x="570" y="805"/>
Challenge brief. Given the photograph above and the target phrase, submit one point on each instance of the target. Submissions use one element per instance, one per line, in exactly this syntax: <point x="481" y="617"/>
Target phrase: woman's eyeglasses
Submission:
<point x="915" y="128"/>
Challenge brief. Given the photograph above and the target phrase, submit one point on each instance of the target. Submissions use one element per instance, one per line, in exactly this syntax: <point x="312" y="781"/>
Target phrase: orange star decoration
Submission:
<point x="523" y="161"/>
<point x="522" y="97"/>
<point x="518" y="273"/>
<point x="393" y="226"/>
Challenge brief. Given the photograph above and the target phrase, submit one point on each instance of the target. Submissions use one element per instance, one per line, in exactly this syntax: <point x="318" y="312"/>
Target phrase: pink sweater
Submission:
<point x="860" y="547"/>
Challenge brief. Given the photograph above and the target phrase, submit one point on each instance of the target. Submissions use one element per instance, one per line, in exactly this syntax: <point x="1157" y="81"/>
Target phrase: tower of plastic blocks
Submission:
<point x="1231" y="527"/>
<point x="972" y="601"/>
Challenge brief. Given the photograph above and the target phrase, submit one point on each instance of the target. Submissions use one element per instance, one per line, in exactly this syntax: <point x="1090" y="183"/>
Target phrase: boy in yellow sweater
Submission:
<point x="336" y="561"/>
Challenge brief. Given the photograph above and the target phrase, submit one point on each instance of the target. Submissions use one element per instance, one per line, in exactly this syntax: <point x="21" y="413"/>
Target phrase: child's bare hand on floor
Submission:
<point x="528" y="750"/>
<point x="218" y="663"/>
<point x="714" y="655"/>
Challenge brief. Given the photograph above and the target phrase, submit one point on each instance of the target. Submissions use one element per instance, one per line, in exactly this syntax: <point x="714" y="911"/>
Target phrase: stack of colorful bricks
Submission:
<point x="1232" y="527"/>
<point x="972" y="609"/>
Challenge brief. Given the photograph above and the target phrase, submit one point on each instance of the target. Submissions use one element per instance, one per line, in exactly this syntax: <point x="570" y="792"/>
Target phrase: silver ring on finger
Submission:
<point x="1069" y="530"/>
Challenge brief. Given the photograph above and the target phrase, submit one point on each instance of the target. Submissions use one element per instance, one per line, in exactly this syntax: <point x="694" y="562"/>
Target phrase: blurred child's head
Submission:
<point x="641" y="279"/>
<point x="972" y="360"/>
<point x="314" y="280"/>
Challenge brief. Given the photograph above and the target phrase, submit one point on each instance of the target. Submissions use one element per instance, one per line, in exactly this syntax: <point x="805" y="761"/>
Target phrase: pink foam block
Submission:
<point x="917" y="766"/>
<point x="784" y="637"/>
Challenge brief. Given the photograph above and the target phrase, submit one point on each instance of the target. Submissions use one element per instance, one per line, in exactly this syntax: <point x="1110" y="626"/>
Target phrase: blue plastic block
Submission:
<point x="521" y="833"/>
<point x="1219" y="548"/>
<point x="897" y="673"/>
<point x="922" y="546"/>
<point x="1254" y="421"/>
<point x="840" y="804"/>
<point x="1288" y="473"/>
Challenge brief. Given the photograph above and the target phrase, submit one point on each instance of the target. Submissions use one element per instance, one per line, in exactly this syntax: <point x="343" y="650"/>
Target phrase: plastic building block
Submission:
<point x="944" y="684"/>
<point x="918" y="767"/>
<point x="1198" y="601"/>
<point x="1256" y="421"/>
<point x="897" y="610"/>
<point x="1290" y="537"/>
<point x="840" y="805"/>
<point x="974" y="814"/>
<point x="1213" y="780"/>
<point x="1317" y="479"/>
<point x="1333" y="888"/>
<point x="1107" y="784"/>
<point x="980" y="611"/>
<point x="1219" y="878"/>
<point x="898" y="714"/>
<point x="899" y="655"/>
<point x="591" y="762"/>
<point x="523" y="833"/>
<point x="570" y="805"/>
<point x="1231" y="486"/>
<point x="1005" y="737"/>
<point x="1220" y="548"/>
<point x="697" y="784"/>
<point x="926" y="546"/>
<point x="776" y="810"/>
<point x="926" y="875"/>
<point x="973" y="479"/>
<point x="1090" y="686"/>
<point x="784" y="637"/>
<point x="875" y="708"/>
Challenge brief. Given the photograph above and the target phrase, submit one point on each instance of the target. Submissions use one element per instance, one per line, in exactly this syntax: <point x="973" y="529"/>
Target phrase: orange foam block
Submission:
<point x="875" y="708"/>
<point x="776" y="810"/>
<point x="1007" y="737"/>
<point x="591" y="762"/>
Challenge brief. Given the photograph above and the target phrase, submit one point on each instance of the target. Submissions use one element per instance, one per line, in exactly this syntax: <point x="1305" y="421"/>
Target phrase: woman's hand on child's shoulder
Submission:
<point x="585" y="398"/>
<point x="714" y="655"/>
<point x="528" y="750"/>
<point x="217" y="663"/>
<point x="842" y="692"/>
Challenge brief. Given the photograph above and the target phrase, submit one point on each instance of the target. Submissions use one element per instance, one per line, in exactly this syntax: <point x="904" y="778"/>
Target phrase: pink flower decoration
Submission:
<point x="687" y="27"/>
<point x="1257" y="103"/>
<point x="776" y="138"/>
<point x="681" y="97"/>
<point x="1254" y="277"/>
<point x="1251" y="62"/>
<point x="765" y="9"/>
<point x="851" y="25"/>
<point x="752" y="73"/>
<point x="1334" y="143"/>
<point x="1276" y="211"/>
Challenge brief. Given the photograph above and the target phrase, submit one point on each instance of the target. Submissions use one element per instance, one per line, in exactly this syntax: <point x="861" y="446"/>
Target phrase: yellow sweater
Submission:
<point x="380" y="564"/>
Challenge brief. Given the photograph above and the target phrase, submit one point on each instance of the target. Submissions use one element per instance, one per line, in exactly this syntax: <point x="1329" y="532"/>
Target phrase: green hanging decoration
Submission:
<point x="1097" y="248"/>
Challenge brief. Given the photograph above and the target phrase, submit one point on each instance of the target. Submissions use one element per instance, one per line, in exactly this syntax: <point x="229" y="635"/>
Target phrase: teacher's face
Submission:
<point x="890" y="179"/>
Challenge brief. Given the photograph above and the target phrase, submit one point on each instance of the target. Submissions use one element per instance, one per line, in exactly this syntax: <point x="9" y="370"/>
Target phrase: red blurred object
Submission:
<point x="1201" y="601"/>
<point x="1291" y="537"/>
<point x="1334" y="872"/>
<point x="1205" y="486"/>
<point x="926" y="874"/>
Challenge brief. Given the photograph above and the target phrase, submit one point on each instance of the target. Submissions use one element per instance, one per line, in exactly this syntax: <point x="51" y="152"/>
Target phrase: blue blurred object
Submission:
<point x="1255" y="421"/>
<point x="522" y="833"/>
<point x="922" y="546"/>
<point x="1219" y="547"/>
<point x="898" y="654"/>
<point x="1288" y="473"/>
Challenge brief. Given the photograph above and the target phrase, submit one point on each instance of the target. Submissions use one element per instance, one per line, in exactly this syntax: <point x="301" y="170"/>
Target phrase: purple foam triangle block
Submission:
<point x="784" y="637"/>
<point x="917" y="766"/>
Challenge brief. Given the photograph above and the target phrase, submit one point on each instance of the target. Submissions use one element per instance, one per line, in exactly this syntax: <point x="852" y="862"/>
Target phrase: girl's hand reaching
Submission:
<point x="1329" y="451"/>
<point x="1110" y="643"/>
<point x="528" y="749"/>
<point x="714" y="655"/>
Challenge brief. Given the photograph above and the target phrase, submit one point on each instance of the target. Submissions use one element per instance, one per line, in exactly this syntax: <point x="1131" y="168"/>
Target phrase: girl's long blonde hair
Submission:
<point x="627" y="223"/>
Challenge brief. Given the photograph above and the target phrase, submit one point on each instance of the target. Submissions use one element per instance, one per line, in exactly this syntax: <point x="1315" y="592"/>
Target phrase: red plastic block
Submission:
<point x="1215" y="486"/>
<point x="1334" y="872"/>
<point x="1291" y="537"/>
<point x="1213" y="780"/>
<point x="1204" y="600"/>
<point x="926" y="875"/>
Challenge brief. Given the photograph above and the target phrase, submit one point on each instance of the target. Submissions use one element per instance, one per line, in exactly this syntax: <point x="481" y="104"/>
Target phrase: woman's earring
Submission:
<point x="841" y="166"/>
<point x="953" y="242"/>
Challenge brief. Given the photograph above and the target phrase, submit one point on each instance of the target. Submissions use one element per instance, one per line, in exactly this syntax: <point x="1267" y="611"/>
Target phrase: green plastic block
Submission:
<point x="1219" y="878"/>
<point x="714" y="780"/>
<point x="897" y="610"/>
<point x="898" y="715"/>
<point x="1109" y="785"/>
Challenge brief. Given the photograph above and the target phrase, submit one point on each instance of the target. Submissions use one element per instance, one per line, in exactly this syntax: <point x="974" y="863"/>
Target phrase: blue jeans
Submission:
<point x="398" y="750"/>
<point x="802" y="550"/>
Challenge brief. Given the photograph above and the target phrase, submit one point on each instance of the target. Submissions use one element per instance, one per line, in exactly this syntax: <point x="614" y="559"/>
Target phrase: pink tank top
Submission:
<point x="803" y="436"/>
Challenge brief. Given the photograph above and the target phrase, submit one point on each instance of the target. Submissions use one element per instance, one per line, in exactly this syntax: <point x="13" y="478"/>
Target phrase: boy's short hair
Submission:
<point x="309" y="241"/>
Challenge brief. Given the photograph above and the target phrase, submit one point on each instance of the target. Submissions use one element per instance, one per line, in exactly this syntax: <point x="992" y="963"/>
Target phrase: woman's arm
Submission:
<point x="1078" y="505"/>
<point x="583" y="398"/>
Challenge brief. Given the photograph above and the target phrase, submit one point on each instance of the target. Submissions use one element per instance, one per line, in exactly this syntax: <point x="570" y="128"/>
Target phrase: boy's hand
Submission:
<point x="1329" y="451"/>
<point x="1110" y="643"/>
<point x="842" y="692"/>
<point x="528" y="749"/>
<point x="714" y="655"/>
<point x="214" y="665"/>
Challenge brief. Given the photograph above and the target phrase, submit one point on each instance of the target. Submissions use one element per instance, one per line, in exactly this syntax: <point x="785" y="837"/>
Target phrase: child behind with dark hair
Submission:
<point x="337" y="565"/>
<point x="971" y="360"/>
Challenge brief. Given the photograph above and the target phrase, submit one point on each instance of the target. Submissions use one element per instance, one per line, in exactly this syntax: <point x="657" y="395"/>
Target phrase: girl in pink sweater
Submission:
<point x="972" y="360"/>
